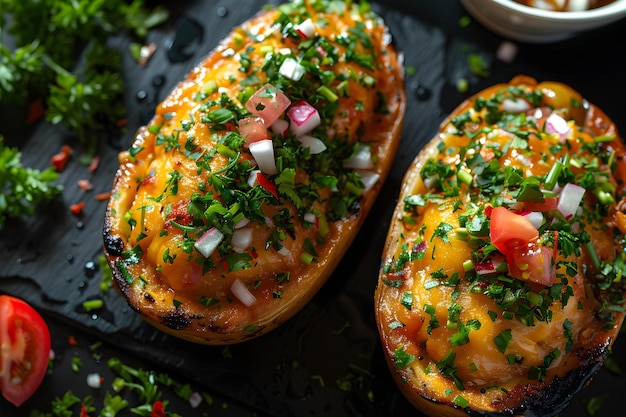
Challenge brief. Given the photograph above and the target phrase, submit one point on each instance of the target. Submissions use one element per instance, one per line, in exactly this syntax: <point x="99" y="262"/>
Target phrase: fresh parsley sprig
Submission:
<point x="50" y="38"/>
<point x="22" y="188"/>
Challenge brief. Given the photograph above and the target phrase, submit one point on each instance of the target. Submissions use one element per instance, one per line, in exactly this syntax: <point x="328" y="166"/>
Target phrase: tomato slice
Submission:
<point x="24" y="349"/>
<point x="509" y="230"/>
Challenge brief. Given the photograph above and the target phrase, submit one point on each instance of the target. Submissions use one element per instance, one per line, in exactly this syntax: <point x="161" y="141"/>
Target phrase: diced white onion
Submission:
<point x="517" y="105"/>
<point x="284" y="251"/>
<point x="292" y="69"/>
<point x="242" y="238"/>
<point x="314" y="145"/>
<point x="252" y="177"/>
<point x="242" y="223"/>
<point x="94" y="380"/>
<point x="208" y="242"/>
<point x="569" y="199"/>
<point x="535" y="218"/>
<point x="310" y="217"/>
<point x="362" y="158"/>
<point x="263" y="153"/>
<point x="280" y="126"/>
<point x="369" y="179"/>
<point x="242" y="293"/>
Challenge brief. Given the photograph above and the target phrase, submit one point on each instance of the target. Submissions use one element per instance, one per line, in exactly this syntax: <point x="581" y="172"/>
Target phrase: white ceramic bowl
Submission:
<point x="530" y="24"/>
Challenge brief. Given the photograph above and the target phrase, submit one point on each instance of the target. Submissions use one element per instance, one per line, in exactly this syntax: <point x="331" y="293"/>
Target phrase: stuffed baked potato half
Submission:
<point x="239" y="198"/>
<point x="501" y="290"/>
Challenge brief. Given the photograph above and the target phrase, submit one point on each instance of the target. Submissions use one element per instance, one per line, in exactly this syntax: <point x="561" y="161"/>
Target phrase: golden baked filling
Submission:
<point x="238" y="199"/>
<point x="501" y="286"/>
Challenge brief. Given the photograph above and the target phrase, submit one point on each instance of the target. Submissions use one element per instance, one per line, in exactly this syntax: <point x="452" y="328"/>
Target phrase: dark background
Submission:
<point x="327" y="359"/>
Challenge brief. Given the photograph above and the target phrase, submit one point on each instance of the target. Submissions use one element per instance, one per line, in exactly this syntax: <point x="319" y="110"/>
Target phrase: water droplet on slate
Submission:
<point x="80" y="225"/>
<point x="69" y="259"/>
<point x="421" y="92"/>
<point x="222" y="11"/>
<point x="90" y="269"/>
<point x="141" y="95"/>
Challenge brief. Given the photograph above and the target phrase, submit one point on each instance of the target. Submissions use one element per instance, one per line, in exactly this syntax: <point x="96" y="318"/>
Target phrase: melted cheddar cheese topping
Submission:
<point x="504" y="262"/>
<point x="256" y="169"/>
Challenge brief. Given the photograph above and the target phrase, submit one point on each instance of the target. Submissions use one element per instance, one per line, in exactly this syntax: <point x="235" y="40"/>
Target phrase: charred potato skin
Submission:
<point x="428" y="389"/>
<point x="178" y="311"/>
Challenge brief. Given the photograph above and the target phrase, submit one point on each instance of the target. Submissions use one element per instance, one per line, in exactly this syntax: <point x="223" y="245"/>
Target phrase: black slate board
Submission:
<point x="293" y="371"/>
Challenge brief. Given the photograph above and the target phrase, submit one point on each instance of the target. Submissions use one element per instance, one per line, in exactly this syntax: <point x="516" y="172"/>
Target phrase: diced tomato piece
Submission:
<point x="77" y="208"/>
<point x="36" y="111"/>
<point x="253" y="129"/>
<point x="60" y="159"/>
<point x="509" y="230"/>
<point x="268" y="103"/>
<point x="534" y="261"/>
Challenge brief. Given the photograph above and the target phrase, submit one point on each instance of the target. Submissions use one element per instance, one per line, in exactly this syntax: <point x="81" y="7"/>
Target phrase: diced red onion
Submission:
<point x="263" y="153"/>
<point x="195" y="399"/>
<point x="304" y="118"/>
<point x="569" y="199"/>
<point x="280" y="126"/>
<point x="242" y="293"/>
<point x="292" y="69"/>
<point x="555" y="124"/>
<point x="369" y="179"/>
<point x="314" y="145"/>
<point x="241" y="223"/>
<point x="535" y="218"/>
<point x="490" y="266"/>
<point x="208" y="242"/>
<point x="362" y="158"/>
<point x="242" y="238"/>
<point x="306" y="29"/>
<point x="507" y="51"/>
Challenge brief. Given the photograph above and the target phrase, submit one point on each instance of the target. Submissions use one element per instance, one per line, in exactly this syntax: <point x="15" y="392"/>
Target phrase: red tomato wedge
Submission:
<point x="509" y="230"/>
<point x="24" y="349"/>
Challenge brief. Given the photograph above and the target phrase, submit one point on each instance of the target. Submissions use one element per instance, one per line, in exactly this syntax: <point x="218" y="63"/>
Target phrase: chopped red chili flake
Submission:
<point x="36" y="111"/>
<point x="267" y="184"/>
<point x="72" y="341"/>
<point x="157" y="409"/>
<point x="60" y="159"/>
<point x="83" y="410"/>
<point x="94" y="164"/>
<point x="103" y="196"/>
<point x="77" y="208"/>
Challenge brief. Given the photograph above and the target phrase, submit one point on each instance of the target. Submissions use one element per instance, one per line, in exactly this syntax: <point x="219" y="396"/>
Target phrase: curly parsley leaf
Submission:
<point x="22" y="188"/>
